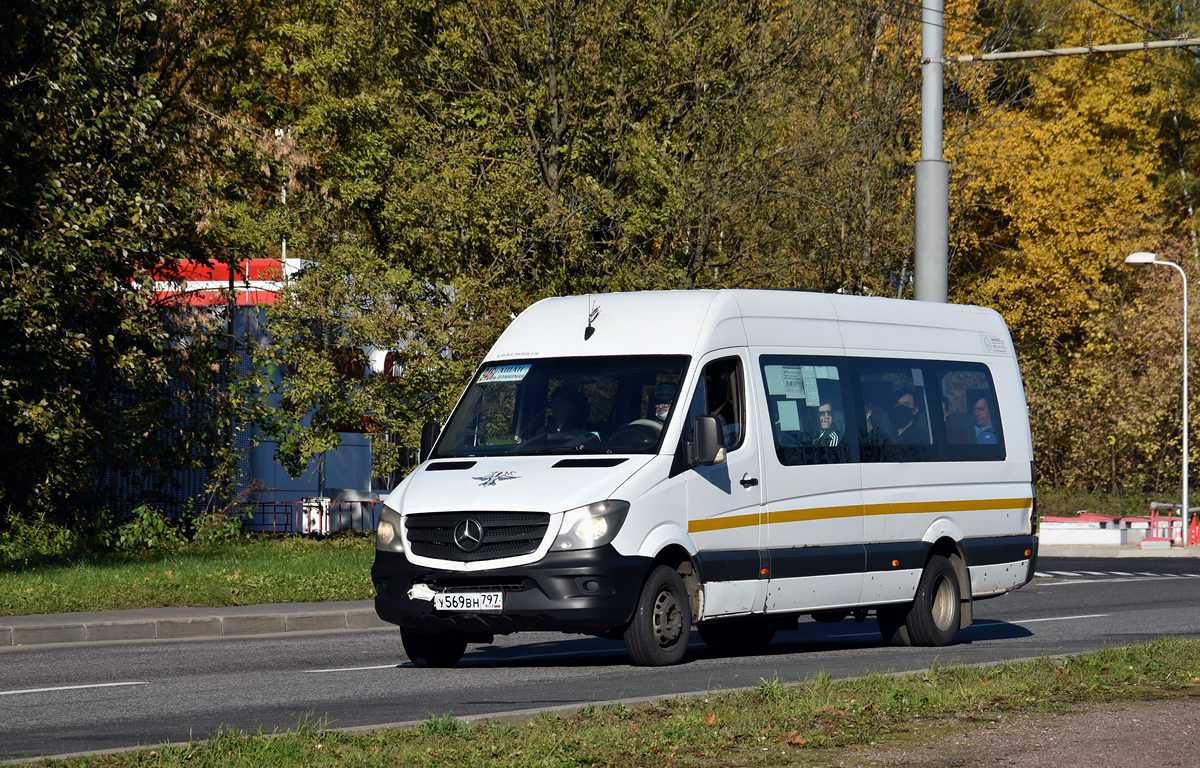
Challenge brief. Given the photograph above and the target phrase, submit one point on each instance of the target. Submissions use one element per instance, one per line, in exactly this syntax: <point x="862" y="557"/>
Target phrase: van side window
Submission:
<point x="806" y="403"/>
<point x="897" y="423"/>
<point x="971" y="423"/>
<point x="721" y="392"/>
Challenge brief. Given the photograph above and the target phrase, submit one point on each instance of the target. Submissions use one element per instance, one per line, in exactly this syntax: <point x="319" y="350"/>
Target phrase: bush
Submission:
<point x="209" y="528"/>
<point x="147" y="534"/>
<point x="33" y="541"/>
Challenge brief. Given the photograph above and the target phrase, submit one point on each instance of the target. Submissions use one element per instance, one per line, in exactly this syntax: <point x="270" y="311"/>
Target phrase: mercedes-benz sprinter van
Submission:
<point x="633" y="465"/>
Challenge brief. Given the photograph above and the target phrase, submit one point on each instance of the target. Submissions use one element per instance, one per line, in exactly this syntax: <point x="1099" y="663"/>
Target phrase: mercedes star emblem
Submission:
<point x="468" y="535"/>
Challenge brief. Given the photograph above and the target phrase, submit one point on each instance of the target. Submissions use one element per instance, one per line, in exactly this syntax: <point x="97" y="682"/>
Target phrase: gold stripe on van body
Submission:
<point x="855" y="510"/>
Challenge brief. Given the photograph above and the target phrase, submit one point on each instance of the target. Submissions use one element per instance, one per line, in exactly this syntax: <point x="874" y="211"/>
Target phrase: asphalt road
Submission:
<point x="59" y="699"/>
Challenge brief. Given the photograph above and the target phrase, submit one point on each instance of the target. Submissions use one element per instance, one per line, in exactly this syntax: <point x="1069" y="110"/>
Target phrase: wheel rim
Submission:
<point x="944" y="599"/>
<point x="668" y="619"/>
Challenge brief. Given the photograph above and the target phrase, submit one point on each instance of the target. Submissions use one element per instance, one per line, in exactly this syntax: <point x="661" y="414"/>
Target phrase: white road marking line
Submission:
<point x="70" y="688"/>
<point x="1121" y="573"/>
<point x="1061" y="618"/>
<point x="1114" y="580"/>
<point x="1064" y="573"/>
<point x="351" y="669"/>
<point x="1096" y="573"/>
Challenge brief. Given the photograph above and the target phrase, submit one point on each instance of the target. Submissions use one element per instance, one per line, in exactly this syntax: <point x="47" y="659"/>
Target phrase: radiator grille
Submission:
<point x="504" y="534"/>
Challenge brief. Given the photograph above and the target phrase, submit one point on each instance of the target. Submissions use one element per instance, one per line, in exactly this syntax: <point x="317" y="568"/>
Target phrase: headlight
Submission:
<point x="387" y="533"/>
<point x="592" y="526"/>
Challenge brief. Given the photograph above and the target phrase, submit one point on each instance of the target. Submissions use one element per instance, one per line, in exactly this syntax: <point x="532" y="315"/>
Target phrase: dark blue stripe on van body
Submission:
<point x="794" y="562"/>
<point x="797" y="562"/>
<point x="728" y="565"/>
<point x="998" y="549"/>
<point x="908" y="554"/>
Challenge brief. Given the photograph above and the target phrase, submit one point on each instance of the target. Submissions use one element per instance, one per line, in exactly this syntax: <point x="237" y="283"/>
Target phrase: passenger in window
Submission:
<point x="660" y="401"/>
<point x="568" y="410"/>
<point x="981" y="414"/>
<point x="828" y="435"/>
<point x="909" y="421"/>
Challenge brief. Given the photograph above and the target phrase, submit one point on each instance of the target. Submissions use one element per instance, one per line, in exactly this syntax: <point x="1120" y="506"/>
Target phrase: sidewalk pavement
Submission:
<point x="247" y="620"/>
<point x="163" y="623"/>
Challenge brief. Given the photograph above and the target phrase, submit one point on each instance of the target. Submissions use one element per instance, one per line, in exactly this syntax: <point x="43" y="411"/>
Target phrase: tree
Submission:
<point x="99" y="156"/>
<point x="474" y="157"/>
<point x="1059" y="172"/>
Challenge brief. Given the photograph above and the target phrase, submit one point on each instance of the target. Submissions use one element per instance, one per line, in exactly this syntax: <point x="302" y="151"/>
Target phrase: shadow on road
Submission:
<point x="809" y="637"/>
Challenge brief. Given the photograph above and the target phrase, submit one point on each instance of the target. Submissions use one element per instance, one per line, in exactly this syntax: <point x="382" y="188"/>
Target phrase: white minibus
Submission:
<point x="636" y="465"/>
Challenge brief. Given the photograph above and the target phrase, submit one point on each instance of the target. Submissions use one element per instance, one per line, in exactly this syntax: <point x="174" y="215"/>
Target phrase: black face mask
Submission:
<point x="901" y="415"/>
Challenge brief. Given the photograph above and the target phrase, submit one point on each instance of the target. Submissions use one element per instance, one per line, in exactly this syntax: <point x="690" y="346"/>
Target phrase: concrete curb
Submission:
<point x="174" y="623"/>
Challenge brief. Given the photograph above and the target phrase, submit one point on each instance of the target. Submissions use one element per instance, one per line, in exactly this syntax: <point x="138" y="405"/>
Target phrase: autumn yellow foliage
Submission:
<point x="1055" y="181"/>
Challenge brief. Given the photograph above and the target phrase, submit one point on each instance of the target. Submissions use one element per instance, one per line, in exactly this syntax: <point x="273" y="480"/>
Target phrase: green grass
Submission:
<point x="813" y="723"/>
<point x="253" y="570"/>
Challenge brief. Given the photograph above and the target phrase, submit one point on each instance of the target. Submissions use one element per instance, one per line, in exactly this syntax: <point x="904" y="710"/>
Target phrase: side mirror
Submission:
<point x="429" y="436"/>
<point x="708" y="447"/>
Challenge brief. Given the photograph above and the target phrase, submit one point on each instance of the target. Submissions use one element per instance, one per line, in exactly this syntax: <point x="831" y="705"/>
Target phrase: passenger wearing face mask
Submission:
<point x="661" y="401"/>
<point x="909" y="421"/>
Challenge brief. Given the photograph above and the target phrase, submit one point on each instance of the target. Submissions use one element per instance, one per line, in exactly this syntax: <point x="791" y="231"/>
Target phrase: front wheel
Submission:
<point x="433" y="649"/>
<point x="662" y="621"/>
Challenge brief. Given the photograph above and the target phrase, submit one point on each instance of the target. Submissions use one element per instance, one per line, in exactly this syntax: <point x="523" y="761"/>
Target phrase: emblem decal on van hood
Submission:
<point x="496" y="477"/>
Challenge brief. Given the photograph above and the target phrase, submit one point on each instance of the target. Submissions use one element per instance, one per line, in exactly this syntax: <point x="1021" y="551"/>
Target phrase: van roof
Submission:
<point x="693" y="322"/>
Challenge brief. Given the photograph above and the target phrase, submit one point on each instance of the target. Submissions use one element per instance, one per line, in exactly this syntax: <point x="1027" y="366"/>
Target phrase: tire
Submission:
<point x="937" y="609"/>
<point x="662" y="620"/>
<point x="433" y="649"/>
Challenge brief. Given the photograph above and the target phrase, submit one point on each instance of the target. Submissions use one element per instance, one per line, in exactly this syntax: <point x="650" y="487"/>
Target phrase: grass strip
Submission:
<point x="775" y="724"/>
<point x="259" y="569"/>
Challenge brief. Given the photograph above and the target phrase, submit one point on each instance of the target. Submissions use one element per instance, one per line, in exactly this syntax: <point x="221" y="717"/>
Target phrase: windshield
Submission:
<point x="567" y="405"/>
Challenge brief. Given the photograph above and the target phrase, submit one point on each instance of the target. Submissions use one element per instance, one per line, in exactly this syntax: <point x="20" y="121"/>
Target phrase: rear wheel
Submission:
<point x="932" y="618"/>
<point x="662" y="621"/>
<point x="936" y="611"/>
<point x="736" y="636"/>
<point x="433" y="649"/>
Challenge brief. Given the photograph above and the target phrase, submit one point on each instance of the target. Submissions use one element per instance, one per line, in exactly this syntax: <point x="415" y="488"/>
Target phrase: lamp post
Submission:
<point x="1142" y="257"/>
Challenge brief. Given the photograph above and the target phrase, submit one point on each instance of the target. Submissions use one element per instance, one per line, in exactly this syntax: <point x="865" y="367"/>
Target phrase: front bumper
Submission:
<point x="588" y="591"/>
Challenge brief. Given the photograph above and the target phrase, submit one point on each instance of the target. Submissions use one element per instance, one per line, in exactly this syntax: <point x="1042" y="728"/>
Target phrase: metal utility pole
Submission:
<point x="931" y="228"/>
<point x="931" y="263"/>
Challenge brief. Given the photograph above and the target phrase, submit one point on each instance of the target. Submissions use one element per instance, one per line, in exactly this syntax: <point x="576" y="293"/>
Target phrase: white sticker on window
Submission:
<point x="504" y="373"/>
<point x="789" y="416"/>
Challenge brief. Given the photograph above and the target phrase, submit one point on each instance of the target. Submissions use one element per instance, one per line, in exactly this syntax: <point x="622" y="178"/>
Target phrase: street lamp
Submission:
<point x="1142" y="257"/>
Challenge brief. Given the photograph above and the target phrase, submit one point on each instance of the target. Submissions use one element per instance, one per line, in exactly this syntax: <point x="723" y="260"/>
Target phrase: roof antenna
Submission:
<point x="593" y="313"/>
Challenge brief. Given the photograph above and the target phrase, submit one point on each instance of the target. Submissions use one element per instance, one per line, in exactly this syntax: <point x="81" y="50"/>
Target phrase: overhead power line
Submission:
<point x="1179" y="42"/>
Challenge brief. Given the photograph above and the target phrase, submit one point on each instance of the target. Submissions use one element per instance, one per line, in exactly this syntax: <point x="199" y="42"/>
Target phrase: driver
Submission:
<point x="660" y="402"/>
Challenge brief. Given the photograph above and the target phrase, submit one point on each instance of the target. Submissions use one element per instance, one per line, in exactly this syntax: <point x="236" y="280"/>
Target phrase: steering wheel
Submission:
<point x="582" y="440"/>
<point x="636" y="433"/>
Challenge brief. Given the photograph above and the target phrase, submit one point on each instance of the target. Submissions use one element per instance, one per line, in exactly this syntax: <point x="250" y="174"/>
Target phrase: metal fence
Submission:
<point x="317" y="515"/>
